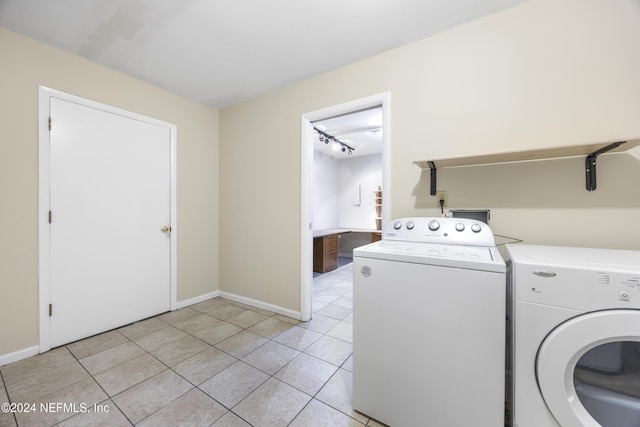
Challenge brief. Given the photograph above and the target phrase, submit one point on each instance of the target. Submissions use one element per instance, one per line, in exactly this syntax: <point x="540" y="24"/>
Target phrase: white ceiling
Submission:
<point x="222" y="52"/>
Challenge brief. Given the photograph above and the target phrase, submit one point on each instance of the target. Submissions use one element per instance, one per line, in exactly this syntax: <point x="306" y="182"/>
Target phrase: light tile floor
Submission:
<point x="216" y="363"/>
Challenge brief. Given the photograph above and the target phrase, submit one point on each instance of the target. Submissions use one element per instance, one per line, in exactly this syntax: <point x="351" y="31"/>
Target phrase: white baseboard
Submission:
<point x="263" y="305"/>
<point x="191" y="301"/>
<point x="5" y="359"/>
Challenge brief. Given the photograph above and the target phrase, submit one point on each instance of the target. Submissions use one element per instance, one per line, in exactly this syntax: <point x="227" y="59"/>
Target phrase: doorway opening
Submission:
<point x="351" y="135"/>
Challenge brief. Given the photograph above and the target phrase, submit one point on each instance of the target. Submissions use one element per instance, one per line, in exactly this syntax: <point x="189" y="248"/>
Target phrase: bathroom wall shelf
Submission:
<point x="591" y="151"/>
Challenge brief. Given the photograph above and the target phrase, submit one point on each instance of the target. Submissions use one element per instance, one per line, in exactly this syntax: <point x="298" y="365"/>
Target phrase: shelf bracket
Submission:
<point x="434" y="176"/>
<point x="590" y="164"/>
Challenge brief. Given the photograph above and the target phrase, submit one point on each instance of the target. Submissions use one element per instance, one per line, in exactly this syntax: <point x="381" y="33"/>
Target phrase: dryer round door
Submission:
<point x="588" y="370"/>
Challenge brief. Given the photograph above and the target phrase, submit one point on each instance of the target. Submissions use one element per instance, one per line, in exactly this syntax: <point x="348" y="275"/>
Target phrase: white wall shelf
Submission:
<point x="591" y="151"/>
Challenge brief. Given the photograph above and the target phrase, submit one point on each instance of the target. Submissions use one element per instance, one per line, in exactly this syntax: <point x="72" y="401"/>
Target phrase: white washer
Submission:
<point x="429" y="325"/>
<point x="576" y="333"/>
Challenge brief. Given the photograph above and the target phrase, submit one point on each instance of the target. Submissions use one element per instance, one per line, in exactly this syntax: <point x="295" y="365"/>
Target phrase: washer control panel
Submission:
<point x="456" y="231"/>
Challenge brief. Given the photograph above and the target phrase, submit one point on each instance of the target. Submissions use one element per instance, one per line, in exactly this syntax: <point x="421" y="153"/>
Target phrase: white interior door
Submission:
<point x="110" y="197"/>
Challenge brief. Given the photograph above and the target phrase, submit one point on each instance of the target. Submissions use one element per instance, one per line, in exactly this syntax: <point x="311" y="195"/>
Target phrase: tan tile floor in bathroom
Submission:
<point x="216" y="363"/>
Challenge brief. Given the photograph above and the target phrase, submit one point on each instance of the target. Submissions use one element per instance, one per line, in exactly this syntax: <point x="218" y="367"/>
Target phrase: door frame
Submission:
<point x="306" y="183"/>
<point x="44" y="248"/>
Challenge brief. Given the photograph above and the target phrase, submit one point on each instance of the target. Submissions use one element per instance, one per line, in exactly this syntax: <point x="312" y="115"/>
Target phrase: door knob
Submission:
<point x="164" y="228"/>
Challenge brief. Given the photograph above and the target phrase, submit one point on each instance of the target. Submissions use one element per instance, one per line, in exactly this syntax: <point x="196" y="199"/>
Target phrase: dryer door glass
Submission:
<point x="603" y="342"/>
<point x="607" y="382"/>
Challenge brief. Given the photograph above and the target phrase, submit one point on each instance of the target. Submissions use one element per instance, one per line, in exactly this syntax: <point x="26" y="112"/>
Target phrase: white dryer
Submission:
<point x="575" y="348"/>
<point x="429" y="325"/>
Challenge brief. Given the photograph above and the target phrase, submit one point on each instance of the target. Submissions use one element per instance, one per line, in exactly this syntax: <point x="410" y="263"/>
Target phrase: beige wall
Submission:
<point x="545" y="73"/>
<point x="26" y="64"/>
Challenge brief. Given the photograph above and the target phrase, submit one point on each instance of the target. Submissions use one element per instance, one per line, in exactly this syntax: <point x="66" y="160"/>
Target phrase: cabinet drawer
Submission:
<point x="331" y="244"/>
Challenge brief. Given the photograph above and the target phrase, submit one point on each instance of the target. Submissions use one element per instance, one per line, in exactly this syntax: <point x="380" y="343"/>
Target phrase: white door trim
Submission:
<point x="306" y="186"/>
<point x="44" y="254"/>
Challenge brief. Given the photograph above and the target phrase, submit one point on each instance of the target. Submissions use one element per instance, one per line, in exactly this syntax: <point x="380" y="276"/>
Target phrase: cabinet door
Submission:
<point x="330" y="252"/>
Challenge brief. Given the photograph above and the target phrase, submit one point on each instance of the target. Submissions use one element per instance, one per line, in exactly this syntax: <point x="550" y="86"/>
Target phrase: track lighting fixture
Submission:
<point x="338" y="145"/>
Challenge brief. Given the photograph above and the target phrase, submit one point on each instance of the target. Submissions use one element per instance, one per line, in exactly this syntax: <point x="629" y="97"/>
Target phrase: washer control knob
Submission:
<point x="624" y="294"/>
<point x="476" y="228"/>
<point x="410" y="225"/>
<point x="460" y="226"/>
<point x="397" y="225"/>
<point x="434" y="225"/>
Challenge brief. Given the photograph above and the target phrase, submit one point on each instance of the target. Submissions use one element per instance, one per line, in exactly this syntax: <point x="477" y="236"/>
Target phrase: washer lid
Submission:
<point x="457" y="256"/>
<point x="561" y="351"/>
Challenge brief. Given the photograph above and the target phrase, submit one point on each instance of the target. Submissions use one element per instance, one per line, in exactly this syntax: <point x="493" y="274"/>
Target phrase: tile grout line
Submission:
<point x="168" y="368"/>
<point x="6" y="391"/>
<point x="272" y="376"/>
<point x="109" y="397"/>
<point x="181" y="376"/>
<point x="312" y="397"/>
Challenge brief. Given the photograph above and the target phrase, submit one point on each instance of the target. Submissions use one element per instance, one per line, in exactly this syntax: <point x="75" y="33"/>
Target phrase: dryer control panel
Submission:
<point x="614" y="289"/>
<point x="454" y="231"/>
<point x="577" y="278"/>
